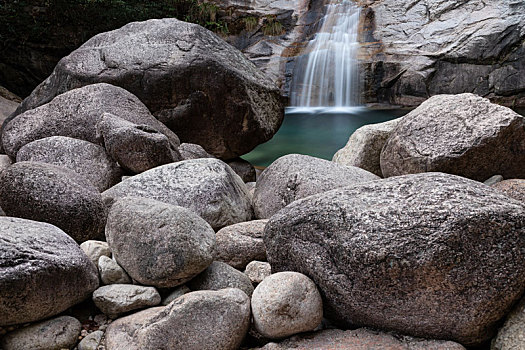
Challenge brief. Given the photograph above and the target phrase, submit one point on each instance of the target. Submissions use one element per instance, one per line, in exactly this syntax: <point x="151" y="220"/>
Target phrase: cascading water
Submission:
<point x="327" y="75"/>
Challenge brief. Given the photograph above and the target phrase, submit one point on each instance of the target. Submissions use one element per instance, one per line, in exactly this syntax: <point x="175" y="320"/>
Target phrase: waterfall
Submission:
<point x="327" y="75"/>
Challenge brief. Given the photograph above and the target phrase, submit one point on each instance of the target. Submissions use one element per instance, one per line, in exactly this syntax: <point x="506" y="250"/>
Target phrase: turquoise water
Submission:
<point x="316" y="132"/>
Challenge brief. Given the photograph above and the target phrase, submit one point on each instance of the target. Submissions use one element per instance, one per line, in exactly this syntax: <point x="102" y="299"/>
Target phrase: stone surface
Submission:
<point x="193" y="151"/>
<point x="510" y="336"/>
<point x="5" y="162"/>
<point x="6" y="108"/>
<point x="241" y="243"/>
<point x="180" y="71"/>
<point x="117" y="299"/>
<point x="111" y="272"/>
<point x="363" y="149"/>
<point x="95" y="249"/>
<point x="286" y="303"/>
<point x="58" y="333"/>
<point x="76" y="114"/>
<point x="360" y="339"/>
<point x="243" y="168"/>
<point x="159" y="244"/>
<point x="462" y="134"/>
<point x="296" y="176"/>
<point x="208" y="187"/>
<point x="257" y="271"/>
<point x="431" y="255"/>
<point x="493" y="180"/>
<point x="53" y="194"/>
<point x="85" y="158"/>
<point x="177" y="292"/>
<point x="91" y="341"/>
<point x="514" y="188"/>
<point x="42" y="271"/>
<point x="203" y="320"/>
<point x="220" y="276"/>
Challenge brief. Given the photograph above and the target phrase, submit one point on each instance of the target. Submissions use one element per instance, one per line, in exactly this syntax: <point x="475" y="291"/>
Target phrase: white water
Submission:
<point x="328" y="74"/>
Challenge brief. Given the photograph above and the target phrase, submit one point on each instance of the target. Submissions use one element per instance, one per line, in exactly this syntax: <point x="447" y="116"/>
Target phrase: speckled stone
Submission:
<point x="111" y="272"/>
<point x="257" y="271"/>
<point x="220" y="276"/>
<point x="116" y="299"/>
<point x="513" y="188"/>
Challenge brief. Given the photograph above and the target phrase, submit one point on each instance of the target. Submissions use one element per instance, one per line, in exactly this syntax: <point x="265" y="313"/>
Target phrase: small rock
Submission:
<point x="193" y="151"/>
<point x="111" y="272"/>
<point x="5" y="162"/>
<point x="511" y="336"/>
<point x="95" y="249"/>
<point x="493" y="180"/>
<point x="91" y="341"/>
<point x="286" y="303"/>
<point x="514" y="188"/>
<point x="243" y="168"/>
<point x="58" y="333"/>
<point x="116" y="299"/>
<point x="257" y="271"/>
<point x="220" y="276"/>
<point x="179" y="291"/>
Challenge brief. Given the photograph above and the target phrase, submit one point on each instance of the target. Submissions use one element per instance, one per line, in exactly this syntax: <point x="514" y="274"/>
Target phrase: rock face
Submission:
<point x="117" y="299"/>
<point x="461" y="134"/>
<point x="296" y="176"/>
<point x="431" y="255"/>
<point x="180" y="71"/>
<point x="220" y="276"/>
<point x="204" y="320"/>
<point x="510" y="336"/>
<point x="53" y="194"/>
<point x="75" y="114"/>
<point x="159" y="244"/>
<point x="286" y="303"/>
<point x="85" y="158"/>
<point x="34" y="283"/>
<point x="208" y="187"/>
<point x="513" y="188"/>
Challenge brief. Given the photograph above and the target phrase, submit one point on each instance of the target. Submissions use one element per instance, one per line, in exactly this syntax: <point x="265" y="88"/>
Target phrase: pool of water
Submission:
<point x="317" y="132"/>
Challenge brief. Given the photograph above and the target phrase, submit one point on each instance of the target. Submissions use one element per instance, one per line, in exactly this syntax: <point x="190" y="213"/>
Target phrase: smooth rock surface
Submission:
<point x="514" y="188"/>
<point x="221" y="276"/>
<point x="205" y="320"/>
<point x="159" y="244"/>
<point x="85" y="158"/>
<point x="257" y="271"/>
<point x="95" y="249"/>
<point x="116" y="299"/>
<point x="296" y="176"/>
<point x="286" y="303"/>
<point x="91" y="341"/>
<point x="56" y="195"/>
<point x="111" y="272"/>
<point x="241" y="243"/>
<point x="462" y="134"/>
<point x="58" y="333"/>
<point x="209" y="187"/>
<point x="42" y="271"/>
<point x="431" y="255"/>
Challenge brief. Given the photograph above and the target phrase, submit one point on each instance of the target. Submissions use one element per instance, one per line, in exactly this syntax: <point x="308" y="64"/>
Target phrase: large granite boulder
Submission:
<point x="205" y="320"/>
<point x="42" y="271"/>
<point x="461" y="134"/>
<point x="85" y="158"/>
<point x="431" y="255"/>
<point x="207" y="186"/>
<point x="180" y="71"/>
<point x="296" y="176"/>
<point x="76" y="114"/>
<point x="56" y="195"/>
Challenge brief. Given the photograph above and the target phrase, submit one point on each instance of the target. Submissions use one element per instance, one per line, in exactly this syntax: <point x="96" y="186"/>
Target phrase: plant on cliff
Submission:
<point x="271" y="26"/>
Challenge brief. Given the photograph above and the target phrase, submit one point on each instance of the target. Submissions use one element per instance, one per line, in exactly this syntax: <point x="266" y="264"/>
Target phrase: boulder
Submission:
<point x="363" y="149"/>
<point x="5" y="162"/>
<point x="241" y="243"/>
<point x="117" y="299"/>
<point x="209" y="187"/>
<point x="159" y="244"/>
<point x="193" y="151"/>
<point x="296" y="176"/>
<point x="91" y="341"/>
<point x="76" y="114"/>
<point x="180" y="71"/>
<point x="286" y="303"/>
<point x="53" y="194"/>
<point x="257" y="271"/>
<point x="205" y="320"/>
<point x="85" y="158"/>
<point x="111" y="272"/>
<point x="95" y="249"/>
<point x="177" y="292"/>
<point x="57" y="333"/>
<point x="243" y="168"/>
<point x="510" y="336"/>
<point x="221" y="276"/>
<point x="513" y="188"/>
<point x="42" y="271"/>
<point x="430" y="255"/>
<point x="462" y="134"/>
<point x="360" y="339"/>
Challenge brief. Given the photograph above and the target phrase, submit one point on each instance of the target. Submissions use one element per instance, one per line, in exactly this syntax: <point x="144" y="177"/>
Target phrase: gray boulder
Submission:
<point x="91" y="341"/>
<point x="117" y="299"/>
<point x="463" y="134"/>
<point x="111" y="272"/>
<point x="243" y="168"/>
<point x="76" y="114"/>
<point x="510" y="336"/>
<point x="53" y="194"/>
<point x="431" y="255"/>
<point x="286" y="303"/>
<point x="241" y="243"/>
<point x="220" y="276"/>
<point x="5" y="161"/>
<point x="85" y="158"/>
<point x="296" y="176"/>
<point x="514" y="188"/>
<point x="206" y="320"/>
<point x="95" y="249"/>
<point x="363" y="149"/>
<point x="58" y="333"/>
<point x="177" y="292"/>
<point x="159" y="244"/>
<point x="193" y="151"/>
<point x="42" y="271"/>
<point x="209" y="187"/>
<point x="181" y="72"/>
<point x="257" y="271"/>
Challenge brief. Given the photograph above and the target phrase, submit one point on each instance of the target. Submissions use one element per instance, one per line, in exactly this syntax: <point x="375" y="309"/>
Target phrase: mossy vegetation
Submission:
<point x="271" y="26"/>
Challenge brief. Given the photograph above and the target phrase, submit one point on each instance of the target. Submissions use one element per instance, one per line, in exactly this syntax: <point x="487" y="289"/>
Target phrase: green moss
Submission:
<point x="250" y="23"/>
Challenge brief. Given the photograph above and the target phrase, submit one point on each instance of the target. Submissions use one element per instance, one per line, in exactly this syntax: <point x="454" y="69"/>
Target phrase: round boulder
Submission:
<point x="220" y="276"/>
<point x="117" y="299"/>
